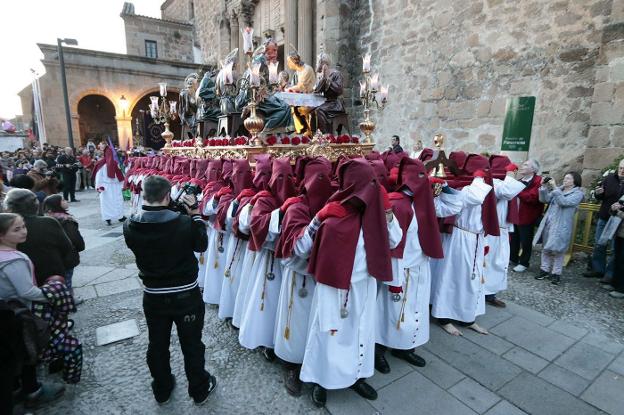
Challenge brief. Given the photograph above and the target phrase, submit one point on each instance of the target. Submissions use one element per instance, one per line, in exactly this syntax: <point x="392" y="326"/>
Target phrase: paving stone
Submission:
<point x="398" y="369"/>
<point x="528" y="314"/>
<point x="474" y="395"/>
<point x="617" y="365"/>
<point x="607" y="393"/>
<point x="604" y="343"/>
<point x="585" y="360"/>
<point x="347" y="402"/>
<point x="563" y="378"/>
<point x="536" y="396"/>
<point x="428" y="398"/>
<point x="533" y="337"/>
<point x="482" y="365"/>
<point x="85" y="274"/>
<point x="438" y="371"/>
<point x="493" y="316"/>
<point x="85" y="293"/>
<point x="116" y="332"/>
<point x="505" y="408"/>
<point x="116" y="287"/>
<point x="568" y="328"/>
<point x="526" y="360"/>
<point x="490" y="342"/>
<point x="116" y="275"/>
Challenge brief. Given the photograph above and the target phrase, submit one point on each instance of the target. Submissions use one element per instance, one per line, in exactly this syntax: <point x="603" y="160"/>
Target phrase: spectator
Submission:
<point x="91" y="147"/>
<point x="417" y="149"/>
<point x="55" y="207"/>
<point x="36" y="155"/>
<point x="608" y="192"/>
<point x="50" y="159"/>
<point x="44" y="179"/>
<point x="555" y="230"/>
<point x="17" y="291"/>
<point x="395" y="145"/>
<point x="617" y="284"/>
<point x="529" y="212"/>
<point x="68" y="167"/>
<point x="87" y="162"/>
<point x="46" y="245"/>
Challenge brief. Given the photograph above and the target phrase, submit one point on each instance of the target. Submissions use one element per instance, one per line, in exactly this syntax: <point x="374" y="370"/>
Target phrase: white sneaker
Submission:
<point x="519" y="268"/>
<point x="616" y="294"/>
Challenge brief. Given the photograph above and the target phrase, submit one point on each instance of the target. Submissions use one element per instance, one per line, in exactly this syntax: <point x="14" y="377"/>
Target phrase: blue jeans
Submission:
<point x="68" y="278"/>
<point x="599" y="255"/>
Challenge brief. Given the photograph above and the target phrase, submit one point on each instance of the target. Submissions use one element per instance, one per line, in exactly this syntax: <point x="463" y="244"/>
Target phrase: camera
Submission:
<point x="186" y="189"/>
<point x="546" y="178"/>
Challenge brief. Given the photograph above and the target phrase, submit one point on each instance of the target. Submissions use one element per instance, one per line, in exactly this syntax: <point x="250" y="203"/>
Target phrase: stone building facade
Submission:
<point x="452" y="65"/>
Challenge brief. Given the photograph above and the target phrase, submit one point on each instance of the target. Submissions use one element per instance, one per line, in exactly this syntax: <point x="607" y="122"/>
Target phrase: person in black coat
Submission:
<point x="67" y="164"/>
<point x="47" y="245"/>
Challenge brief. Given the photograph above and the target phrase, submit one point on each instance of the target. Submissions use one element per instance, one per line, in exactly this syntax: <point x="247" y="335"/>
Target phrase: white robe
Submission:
<point x="234" y="260"/>
<point x="457" y="287"/>
<point x="412" y="272"/>
<point x="339" y="351"/>
<point x="215" y="260"/>
<point x="258" y="319"/>
<point x="111" y="199"/>
<point x="202" y="256"/>
<point x="245" y="276"/>
<point x="497" y="260"/>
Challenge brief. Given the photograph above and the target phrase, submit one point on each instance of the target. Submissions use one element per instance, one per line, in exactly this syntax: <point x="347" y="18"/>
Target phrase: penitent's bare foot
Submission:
<point x="478" y="329"/>
<point x="451" y="329"/>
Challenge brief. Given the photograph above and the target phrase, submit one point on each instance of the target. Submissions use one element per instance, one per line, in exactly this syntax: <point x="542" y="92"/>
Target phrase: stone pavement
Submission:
<point x="563" y="359"/>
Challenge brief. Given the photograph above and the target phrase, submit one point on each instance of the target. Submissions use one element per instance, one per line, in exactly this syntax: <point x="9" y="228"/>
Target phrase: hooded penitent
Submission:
<point x="333" y="252"/>
<point x="498" y="163"/>
<point x="112" y="167"/>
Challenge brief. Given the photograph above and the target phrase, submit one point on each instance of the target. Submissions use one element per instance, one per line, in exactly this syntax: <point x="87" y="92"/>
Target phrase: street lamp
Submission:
<point x="123" y="104"/>
<point x="72" y="42"/>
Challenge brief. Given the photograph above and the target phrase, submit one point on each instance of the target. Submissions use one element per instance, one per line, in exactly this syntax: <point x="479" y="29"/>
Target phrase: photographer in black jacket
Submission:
<point x="163" y="242"/>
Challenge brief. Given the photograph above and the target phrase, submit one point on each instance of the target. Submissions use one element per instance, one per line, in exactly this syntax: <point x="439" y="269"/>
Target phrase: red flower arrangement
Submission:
<point x="331" y="138"/>
<point x="240" y="141"/>
<point x="295" y="140"/>
<point x="212" y="142"/>
<point x="271" y="140"/>
<point x="355" y="139"/>
<point x="305" y="139"/>
<point x="286" y="140"/>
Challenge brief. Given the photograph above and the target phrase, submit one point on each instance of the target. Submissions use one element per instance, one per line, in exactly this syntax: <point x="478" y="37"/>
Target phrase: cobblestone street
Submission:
<point x="553" y="350"/>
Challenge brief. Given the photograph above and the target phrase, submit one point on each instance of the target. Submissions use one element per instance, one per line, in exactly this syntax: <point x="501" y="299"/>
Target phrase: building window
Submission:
<point x="151" y="50"/>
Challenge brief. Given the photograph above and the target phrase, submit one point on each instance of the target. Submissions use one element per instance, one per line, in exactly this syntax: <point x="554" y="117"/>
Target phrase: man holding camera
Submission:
<point x="44" y="179"/>
<point x="163" y="242"/>
<point x="68" y="166"/>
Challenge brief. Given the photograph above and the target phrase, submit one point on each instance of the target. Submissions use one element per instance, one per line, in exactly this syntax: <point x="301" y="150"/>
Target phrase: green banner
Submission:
<point x="518" y="123"/>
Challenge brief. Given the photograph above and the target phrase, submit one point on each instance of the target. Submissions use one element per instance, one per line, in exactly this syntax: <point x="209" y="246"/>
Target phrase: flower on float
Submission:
<point x="305" y="139"/>
<point x="295" y="140"/>
<point x="355" y="139"/>
<point x="271" y="140"/>
<point x="286" y="140"/>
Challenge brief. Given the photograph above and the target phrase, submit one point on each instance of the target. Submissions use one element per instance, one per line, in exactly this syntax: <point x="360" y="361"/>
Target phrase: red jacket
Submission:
<point x="530" y="206"/>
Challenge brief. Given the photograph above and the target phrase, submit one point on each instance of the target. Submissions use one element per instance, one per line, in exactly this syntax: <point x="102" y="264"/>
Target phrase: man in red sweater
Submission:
<point x="530" y="211"/>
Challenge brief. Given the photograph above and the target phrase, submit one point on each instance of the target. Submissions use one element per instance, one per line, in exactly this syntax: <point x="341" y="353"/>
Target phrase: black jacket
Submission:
<point x="73" y="233"/>
<point x="164" y="243"/>
<point x="613" y="190"/>
<point x="47" y="246"/>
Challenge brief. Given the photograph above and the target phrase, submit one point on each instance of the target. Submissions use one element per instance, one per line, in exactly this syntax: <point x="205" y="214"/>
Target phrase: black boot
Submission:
<point x="365" y="390"/>
<point x="108" y="222"/>
<point x="123" y="219"/>
<point x="555" y="279"/>
<point x="542" y="274"/>
<point x="319" y="396"/>
<point x="268" y="354"/>
<point x="381" y="364"/>
<point x="410" y="357"/>
<point x="291" y="379"/>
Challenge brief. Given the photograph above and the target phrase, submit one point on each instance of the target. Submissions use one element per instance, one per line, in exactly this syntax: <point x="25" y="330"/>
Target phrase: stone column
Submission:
<point x="124" y="131"/>
<point x="304" y="30"/>
<point x="234" y="32"/>
<point x="290" y="26"/>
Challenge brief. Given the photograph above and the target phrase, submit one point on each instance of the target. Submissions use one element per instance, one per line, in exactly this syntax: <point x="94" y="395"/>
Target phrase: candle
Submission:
<point x="273" y="77"/>
<point x="247" y="40"/>
<point x="366" y="65"/>
<point x="163" y="89"/>
<point x="362" y="89"/>
<point x="384" y="94"/>
<point x="172" y="106"/>
<point x="375" y="82"/>
<point x="255" y="74"/>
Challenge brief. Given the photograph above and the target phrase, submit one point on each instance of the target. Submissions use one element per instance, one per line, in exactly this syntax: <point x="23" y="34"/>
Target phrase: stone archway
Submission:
<point x="147" y="128"/>
<point x="96" y="115"/>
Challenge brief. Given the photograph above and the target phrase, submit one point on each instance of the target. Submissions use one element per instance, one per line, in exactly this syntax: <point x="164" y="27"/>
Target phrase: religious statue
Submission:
<point x="275" y="112"/>
<point x="224" y="82"/>
<point x="187" y="109"/>
<point x="206" y="98"/>
<point x="330" y="84"/>
<point x="305" y="77"/>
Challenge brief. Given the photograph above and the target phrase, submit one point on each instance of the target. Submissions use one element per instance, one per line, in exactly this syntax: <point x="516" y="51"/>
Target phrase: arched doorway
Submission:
<point x="97" y="119"/>
<point x="147" y="128"/>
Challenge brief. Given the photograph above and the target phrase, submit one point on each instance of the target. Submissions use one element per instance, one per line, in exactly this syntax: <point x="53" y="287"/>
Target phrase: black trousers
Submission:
<point x="522" y="237"/>
<point x="618" y="271"/>
<point x="186" y="310"/>
<point x="69" y="185"/>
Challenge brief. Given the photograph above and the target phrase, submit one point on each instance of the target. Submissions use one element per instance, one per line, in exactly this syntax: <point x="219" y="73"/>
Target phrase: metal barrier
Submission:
<point x="583" y="229"/>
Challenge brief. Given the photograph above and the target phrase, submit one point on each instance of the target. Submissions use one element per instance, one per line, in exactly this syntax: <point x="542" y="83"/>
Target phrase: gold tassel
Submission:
<point x="290" y="305"/>
<point x="402" y="318"/>
<point x="201" y="259"/>
<point x="287" y="333"/>
<point x="216" y="264"/>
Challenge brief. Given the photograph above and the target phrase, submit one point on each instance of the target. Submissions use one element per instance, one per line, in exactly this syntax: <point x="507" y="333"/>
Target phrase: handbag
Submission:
<point x="609" y="230"/>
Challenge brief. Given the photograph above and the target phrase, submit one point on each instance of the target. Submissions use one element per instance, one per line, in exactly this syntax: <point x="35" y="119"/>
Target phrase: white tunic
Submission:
<point x="339" y="351"/>
<point x="456" y="287"/>
<point x="258" y="319"/>
<point x="215" y="260"/>
<point x="111" y="199"/>
<point x="201" y="257"/>
<point x="234" y="259"/>
<point x="497" y="260"/>
<point x="404" y="324"/>
<point x="245" y="275"/>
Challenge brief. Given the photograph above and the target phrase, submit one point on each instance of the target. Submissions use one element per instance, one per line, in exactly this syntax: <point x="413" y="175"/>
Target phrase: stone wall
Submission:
<point x="174" y="39"/>
<point x="177" y="10"/>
